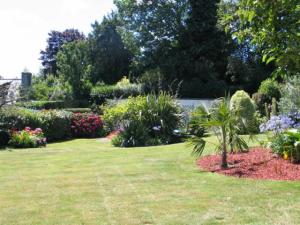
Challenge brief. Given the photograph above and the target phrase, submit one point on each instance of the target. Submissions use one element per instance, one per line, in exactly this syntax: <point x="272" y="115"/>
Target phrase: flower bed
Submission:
<point x="28" y="138"/>
<point x="258" y="163"/>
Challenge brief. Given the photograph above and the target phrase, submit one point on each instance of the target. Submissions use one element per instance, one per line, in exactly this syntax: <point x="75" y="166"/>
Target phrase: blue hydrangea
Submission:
<point x="280" y="123"/>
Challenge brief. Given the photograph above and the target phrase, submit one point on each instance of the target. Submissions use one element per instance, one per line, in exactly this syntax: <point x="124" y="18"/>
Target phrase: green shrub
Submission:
<point x="145" y="120"/>
<point x="55" y="124"/>
<point x="4" y="138"/>
<point x="78" y="110"/>
<point x="51" y="88"/>
<point x="197" y="117"/>
<point x="100" y="93"/>
<point x="260" y="102"/>
<point x="242" y="105"/>
<point x="290" y="100"/>
<point x="270" y="89"/>
<point x="38" y="105"/>
<point x="287" y="145"/>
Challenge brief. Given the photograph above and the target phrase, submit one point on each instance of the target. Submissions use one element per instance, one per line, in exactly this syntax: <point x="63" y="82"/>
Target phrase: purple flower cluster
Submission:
<point x="280" y="123"/>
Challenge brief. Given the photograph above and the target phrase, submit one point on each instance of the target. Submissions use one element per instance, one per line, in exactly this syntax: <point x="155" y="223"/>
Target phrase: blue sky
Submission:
<point x="25" y="25"/>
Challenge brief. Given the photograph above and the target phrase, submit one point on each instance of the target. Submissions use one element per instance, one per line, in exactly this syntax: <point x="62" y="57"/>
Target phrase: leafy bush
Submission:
<point x="114" y="115"/>
<point x="4" y="138"/>
<point x="55" y="124"/>
<point x="242" y="105"/>
<point x="86" y="125"/>
<point x="197" y="117"/>
<point x="290" y="92"/>
<point x="287" y="145"/>
<point x="270" y="89"/>
<point x="78" y="110"/>
<point x="51" y="88"/>
<point x="100" y="93"/>
<point x="28" y="138"/>
<point x="145" y="120"/>
<point x="42" y="105"/>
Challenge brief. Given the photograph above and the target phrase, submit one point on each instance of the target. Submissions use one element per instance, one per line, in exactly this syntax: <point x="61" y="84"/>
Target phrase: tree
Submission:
<point x="154" y="27"/>
<point x="54" y="44"/>
<point x="74" y="67"/>
<point x="109" y="57"/>
<point x="273" y="27"/>
<point x="204" y="47"/>
<point x="222" y="121"/>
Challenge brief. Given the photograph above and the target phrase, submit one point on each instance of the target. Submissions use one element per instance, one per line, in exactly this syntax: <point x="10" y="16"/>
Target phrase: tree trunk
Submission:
<point x="224" y="164"/>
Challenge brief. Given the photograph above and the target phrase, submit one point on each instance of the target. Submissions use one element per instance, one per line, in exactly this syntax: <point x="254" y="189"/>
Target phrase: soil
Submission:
<point x="257" y="163"/>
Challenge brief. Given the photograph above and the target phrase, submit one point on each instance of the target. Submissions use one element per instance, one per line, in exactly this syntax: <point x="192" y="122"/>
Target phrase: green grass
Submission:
<point x="90" y="182"/>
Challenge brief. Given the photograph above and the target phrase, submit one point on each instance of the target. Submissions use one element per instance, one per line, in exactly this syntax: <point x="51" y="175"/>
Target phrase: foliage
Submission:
<point x="100" y="93"/>
<point x="273" y="27"/>
<point x="74" y="67"/>
<point x="242" y="105"/>
<point x="108" y="55"/>
<point x="290" y="96"/>
<point x="197" y="117"/>
<point x="269" y="89"/>
<point x="50" y="88"/>
<point x="145" y="120"/>
<point x="180" y="38"/>
<point x="38" y="105"/>
<point x="86" y="125"/>
<point x="55" y="124"/>
<point x="28" y="138"/>
<point x="4" y="138"/>
<point x="54" y="44"/>
<point x="222" y="121"/>
<point x="196" y="88"/>
<point x="286" y="144"/>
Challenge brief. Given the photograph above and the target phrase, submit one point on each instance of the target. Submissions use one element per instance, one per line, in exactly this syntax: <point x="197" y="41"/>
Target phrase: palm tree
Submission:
<point x="222" y="121"/>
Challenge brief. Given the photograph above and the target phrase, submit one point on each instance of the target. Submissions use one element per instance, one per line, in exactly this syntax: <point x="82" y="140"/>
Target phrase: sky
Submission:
<point x="25" y="25"/>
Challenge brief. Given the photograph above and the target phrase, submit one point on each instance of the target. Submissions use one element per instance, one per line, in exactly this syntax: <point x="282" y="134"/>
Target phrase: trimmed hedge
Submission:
<point x="55" y="124"/>
<point x="100" y="93"/>
<point x="39" y="105"/>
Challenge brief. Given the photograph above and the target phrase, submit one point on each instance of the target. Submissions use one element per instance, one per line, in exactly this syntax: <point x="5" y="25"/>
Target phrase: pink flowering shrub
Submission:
<point x="28" y="138"/>
<point x="86" y="125"/>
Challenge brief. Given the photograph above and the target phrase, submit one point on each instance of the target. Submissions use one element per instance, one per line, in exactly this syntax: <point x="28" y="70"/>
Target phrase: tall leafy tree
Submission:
<point x="109" y="56"/>
<point x="204" y="47"/>
<point x="74" y="67"/>
<point x="273" y="27"/>
<point x="55" y="42"/>
<point x="154" y="26"/>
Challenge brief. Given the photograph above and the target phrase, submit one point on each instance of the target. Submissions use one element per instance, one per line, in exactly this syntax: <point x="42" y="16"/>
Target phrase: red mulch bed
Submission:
<point x="112" y="134"/>
<point x="258" y="163"/>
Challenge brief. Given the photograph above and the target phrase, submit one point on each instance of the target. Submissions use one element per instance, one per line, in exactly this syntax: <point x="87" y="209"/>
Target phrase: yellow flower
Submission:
<point x="285" y="155"/>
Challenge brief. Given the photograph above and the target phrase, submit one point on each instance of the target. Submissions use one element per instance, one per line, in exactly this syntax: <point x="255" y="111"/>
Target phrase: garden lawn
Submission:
<point x="91" y="182"/>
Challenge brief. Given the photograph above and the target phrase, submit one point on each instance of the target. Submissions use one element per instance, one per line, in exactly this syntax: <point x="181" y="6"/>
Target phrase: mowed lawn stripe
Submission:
<point x="87" y="181"/>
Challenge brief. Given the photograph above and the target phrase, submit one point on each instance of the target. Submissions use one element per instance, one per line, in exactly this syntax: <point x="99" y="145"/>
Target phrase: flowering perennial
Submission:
<point x="86" y="125"/>
<point x="279" y="124"/>
<point x="28" y="138"/>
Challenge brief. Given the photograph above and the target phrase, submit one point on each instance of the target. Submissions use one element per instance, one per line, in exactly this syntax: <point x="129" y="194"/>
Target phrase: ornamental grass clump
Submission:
<point x="145" y="121"/>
